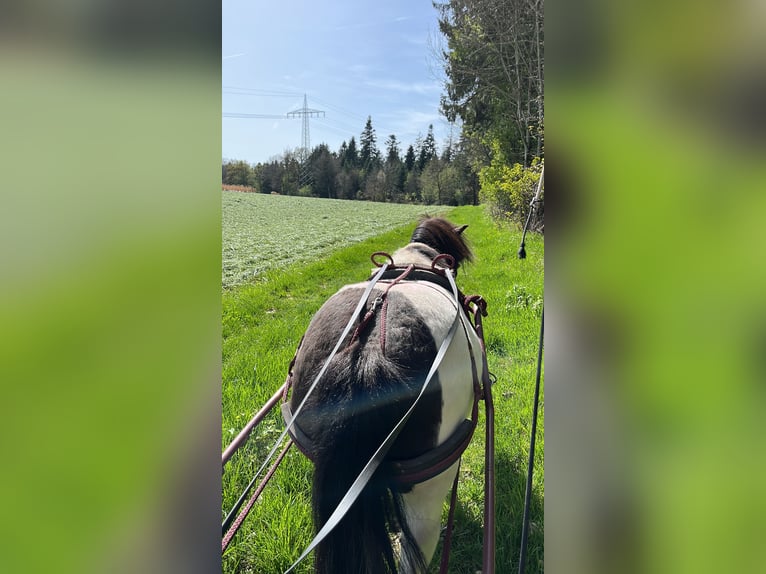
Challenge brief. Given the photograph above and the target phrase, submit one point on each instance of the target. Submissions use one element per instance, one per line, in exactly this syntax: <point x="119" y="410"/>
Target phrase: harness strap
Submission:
<point x="380" y="299"/>
<point x="410" y="471"/>
<point x="419" y="274"/>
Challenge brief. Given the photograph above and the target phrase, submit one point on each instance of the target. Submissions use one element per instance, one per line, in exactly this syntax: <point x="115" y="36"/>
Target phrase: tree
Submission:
<point x="375" y="186"/>
<point x="342" y="153"/>
<point x="443" y="183"/>
<point x="324" y="169"/>
<point x="291" y="172"/>
<point x="509" y="189"/>
<point x="392" y="150"/>
<point x="369" y="155"/>
<point x="447" y="153"/>
<point x="494" y="64"/>
<point x="412" y="187"/>
<point x="271" y="177"/>
<point x="427" y="149"/>
<point x="409" y="158"/>
<point x="350" y="157"/>
<point x="236" y="172"/>
<point x="347" y="184"/>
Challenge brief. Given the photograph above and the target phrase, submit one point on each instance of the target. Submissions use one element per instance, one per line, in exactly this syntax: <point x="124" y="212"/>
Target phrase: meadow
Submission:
<point x="263" y="321"/>
<point x="262" y="232"/>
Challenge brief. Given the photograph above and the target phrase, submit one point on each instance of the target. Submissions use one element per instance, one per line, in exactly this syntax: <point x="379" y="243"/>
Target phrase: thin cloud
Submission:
<point x="363" y="25"/>
<point x="405" y="87"/>
<point x="360" y="69"/>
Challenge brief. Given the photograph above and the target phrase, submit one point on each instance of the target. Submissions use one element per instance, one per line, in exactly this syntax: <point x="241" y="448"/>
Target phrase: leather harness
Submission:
<point x="435" y="461"/>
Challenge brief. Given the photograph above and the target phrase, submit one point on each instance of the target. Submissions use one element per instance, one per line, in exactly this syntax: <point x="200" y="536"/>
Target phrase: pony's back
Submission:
<point x="363" y="394"/>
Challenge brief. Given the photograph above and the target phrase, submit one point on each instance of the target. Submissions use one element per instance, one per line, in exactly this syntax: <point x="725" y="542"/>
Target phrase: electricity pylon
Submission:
<point x="305" y="112"/>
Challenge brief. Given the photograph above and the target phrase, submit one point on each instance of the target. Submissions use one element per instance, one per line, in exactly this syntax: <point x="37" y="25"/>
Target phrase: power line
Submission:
<point x="260" y="92"/>
<point x="260" y="116"/>
<point x="341" y="110"/>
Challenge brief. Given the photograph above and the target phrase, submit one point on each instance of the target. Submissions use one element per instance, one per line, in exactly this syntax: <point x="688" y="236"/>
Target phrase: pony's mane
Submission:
<point x="444" y="237"/>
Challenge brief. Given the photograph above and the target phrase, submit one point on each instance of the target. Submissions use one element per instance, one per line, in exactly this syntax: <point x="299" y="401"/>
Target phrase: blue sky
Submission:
<point x="351" y="59"/>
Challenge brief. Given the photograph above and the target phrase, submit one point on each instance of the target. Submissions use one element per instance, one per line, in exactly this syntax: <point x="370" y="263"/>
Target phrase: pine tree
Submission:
<point x="392" y="150"/>
<point x="369" y="156"/>
<point x="409" y="158"/>
<point x="427" y="149"/>
<point x="350" y="159"/>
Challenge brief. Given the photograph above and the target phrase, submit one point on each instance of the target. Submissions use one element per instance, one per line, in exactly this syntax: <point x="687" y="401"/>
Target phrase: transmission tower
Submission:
<point x="305" y="113"/>
<point x="303" y="152"/>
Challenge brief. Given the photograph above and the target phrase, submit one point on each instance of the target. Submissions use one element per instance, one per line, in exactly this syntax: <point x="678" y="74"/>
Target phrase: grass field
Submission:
<point x="262" y="325"/>
<point x="261" y="232"/>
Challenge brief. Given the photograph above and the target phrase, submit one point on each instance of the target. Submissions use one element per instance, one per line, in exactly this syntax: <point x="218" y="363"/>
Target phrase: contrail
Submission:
<point x="233" y="56"/>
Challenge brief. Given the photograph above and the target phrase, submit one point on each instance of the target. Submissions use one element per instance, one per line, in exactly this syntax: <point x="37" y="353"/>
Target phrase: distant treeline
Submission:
<point x="421" y="175"/>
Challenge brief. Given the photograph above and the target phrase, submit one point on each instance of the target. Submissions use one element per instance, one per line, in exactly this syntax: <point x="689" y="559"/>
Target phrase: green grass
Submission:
<point x="262" y="232"/>
<point x="262" y="325"/>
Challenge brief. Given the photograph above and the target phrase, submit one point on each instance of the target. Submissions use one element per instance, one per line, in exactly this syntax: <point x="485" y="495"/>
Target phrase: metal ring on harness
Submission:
<point x="447" y="258"/>
<point x="384" y="254"/>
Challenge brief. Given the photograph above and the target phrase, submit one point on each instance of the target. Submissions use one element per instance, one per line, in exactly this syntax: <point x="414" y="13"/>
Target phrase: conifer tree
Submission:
<point x="409" y="158"/>
<point x="369" y="156"/>
<point x="427" y="149"/>
<point x="350" y="159"/>
<point x="392" y="150"/>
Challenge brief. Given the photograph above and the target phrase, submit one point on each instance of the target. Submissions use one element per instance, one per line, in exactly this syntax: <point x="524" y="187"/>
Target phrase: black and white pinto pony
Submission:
<point x="367" y="387"/>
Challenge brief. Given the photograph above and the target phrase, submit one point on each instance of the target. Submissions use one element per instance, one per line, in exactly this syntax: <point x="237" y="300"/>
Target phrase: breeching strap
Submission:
<point x="362" y="301"/>
<point x="364" y="477"/>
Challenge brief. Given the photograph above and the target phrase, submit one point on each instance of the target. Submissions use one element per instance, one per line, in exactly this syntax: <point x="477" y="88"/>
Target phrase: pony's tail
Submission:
<point x="361" y="543"/>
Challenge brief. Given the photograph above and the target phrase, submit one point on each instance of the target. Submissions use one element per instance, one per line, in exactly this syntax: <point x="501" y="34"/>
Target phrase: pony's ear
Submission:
<point x="460" y="229"/>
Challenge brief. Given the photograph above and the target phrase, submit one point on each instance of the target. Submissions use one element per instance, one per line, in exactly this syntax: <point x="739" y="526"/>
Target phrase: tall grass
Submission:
<point x="262" y="325"/>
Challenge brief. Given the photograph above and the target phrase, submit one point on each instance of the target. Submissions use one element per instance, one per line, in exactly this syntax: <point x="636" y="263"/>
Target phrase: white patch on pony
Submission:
<point x="423" y="511"/>
<point x="423" y="504"/>
<point x="438" y="310"/>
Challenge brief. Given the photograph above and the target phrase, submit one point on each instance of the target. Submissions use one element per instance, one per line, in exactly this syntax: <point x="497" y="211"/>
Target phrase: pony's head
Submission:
<point x="444" y="237"/>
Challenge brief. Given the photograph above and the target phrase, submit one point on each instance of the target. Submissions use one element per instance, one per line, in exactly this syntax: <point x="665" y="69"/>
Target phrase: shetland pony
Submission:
<point x="369" y="384"/>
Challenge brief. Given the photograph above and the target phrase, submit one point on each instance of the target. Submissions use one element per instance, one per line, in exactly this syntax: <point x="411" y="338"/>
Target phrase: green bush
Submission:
<point x="509" y="189"/>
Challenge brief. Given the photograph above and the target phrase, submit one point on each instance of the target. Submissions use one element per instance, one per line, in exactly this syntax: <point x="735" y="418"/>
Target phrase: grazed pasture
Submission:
<point x="261" y="232"/>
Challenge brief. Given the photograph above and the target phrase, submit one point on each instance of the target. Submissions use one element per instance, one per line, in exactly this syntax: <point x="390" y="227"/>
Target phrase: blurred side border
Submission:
<point x="654" y="281"/>
<point x="110" y="306"/>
